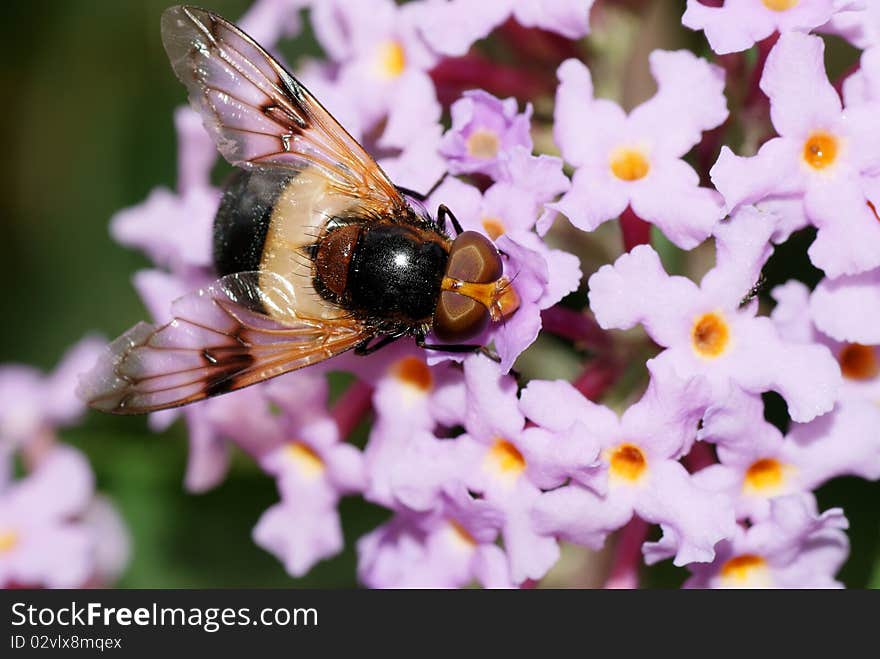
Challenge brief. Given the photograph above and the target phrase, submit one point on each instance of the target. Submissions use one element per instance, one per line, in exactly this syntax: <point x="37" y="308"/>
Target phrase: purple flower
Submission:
<point x="268" y="20"/>
<point x="498" y="458"/>
<point x="484" y="130"/>
<point x="706" y="331"/>
<point x="506" y="212"/>
<point x="483" y="478"/>
<point x="174" y="229"/>
<point x="863" y="86"/>
<point x="856" y="20"/>
<point x="848" y="308"/>
<point x="793" y="548"/>
<point x="409" y="396"/>
<point x="824" y="155"/>
<point x="41" y="543"/>
<point x="400" y="125"/>
<point x="33" y="405"/>
<point x="451" y="26"/>
<point x="409" y="148"/>
<point x="512" y="205"/>
<point x="739" y="24"/>
<point x="636" y="159"/>
<point x="302" y="449"/>
<point x="757" y="464"/>
<point x="380" y="55"/>
<point x="112" y="541"/>
<point x="859" y="363"/>
<point x="448" y="547"/>
<point x="639" y="472"/>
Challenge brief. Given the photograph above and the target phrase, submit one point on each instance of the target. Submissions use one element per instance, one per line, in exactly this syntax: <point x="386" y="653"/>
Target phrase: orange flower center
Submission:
<point x="744" y="570"/>
<point x="858" y="362"/>
<point x="483" y="144"/>
<point x="820" y="150"/>
<point x="780" y="5"/>
<point x="628" y="462"/>
<point x="710" y="335"/>
<point x="493" y="226"/>
<point x="764" y="476"/>
<point x="304" y="457"/>
<point x="506" y="458"/>
<point x="8" y="540"/>
<point x="629" y="164"/>
<point x="460" y="535"/>
<point x="414" y="372"/>
<point x="391" y="59"/>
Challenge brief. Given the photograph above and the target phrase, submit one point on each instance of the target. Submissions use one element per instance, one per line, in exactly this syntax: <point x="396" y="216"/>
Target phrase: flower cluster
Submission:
<point x="487" y="473"/>
<point x="55" y="531"/>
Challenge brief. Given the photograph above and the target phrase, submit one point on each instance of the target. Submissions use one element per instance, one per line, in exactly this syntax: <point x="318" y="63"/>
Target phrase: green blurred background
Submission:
<point x="88" y="100"/>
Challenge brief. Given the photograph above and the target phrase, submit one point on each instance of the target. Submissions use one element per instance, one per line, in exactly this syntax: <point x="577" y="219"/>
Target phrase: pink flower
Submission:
<point x="41" y="541"/>
<point x="448" y="547"/>
<point x="507" y="212"/>
<point x="636" y="160"/>
<point x="174" y="229"/>
<point x="381" y="57"/>
<point x="757" y="464"/>
<point x="499" y="459"/>
<point x="314" y="469"/>
<point x="706" y="331"/>
<point x="858" y="21"/>
<point x="639" y="471"/>
<point x="451" y="26"/>
<point x="484" y="131"/>
<point x="739" y="24"/>
<point x="848" y="308"/>
<point x="268" y="20"/>
<point x="793" y="548"/>
<point x="33" y="404"/>
<point x="825" y="155"/>
<point x="794" y="316"/>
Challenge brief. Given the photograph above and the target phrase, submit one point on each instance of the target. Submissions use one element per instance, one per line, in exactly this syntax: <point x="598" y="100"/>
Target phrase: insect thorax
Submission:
<point x="393" y="272"/>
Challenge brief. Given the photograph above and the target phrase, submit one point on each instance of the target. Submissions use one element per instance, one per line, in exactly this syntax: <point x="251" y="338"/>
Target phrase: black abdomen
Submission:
<point x="243" y="218"/>
<point x="396" y="271"/>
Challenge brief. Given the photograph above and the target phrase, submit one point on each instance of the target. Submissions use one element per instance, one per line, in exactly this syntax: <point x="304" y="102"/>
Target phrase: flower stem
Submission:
<point x="535" y="46"/>
<point x="597" y="378"/>
<point x="37" y="448"/>
<point x="755" y="95"/>
<point x="624" y="573"/>
<point x="577" y="326"/>
<point x="352" y="406"/>
<point x="454" y="75"/>
<point x="700" y="456"/>
<point x="635" y="230"/>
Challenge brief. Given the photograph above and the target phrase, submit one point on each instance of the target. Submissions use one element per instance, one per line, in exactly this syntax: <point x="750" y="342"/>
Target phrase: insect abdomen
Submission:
<point x="243" y="219"/>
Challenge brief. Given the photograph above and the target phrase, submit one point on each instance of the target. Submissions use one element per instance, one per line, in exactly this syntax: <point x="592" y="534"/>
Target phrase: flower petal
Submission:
<point x="848" y="308"/>
<point x="801" y="98"/>
<point x="636" y="289"/>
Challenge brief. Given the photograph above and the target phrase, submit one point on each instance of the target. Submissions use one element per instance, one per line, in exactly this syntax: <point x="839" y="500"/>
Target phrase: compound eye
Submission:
<point x="473" y="258"/>
<point x="458" y="318"/>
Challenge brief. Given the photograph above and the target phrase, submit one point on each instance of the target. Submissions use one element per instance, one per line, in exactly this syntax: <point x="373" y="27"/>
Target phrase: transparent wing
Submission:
<point x="258" y="113"/>
<point x="243" y="329"/>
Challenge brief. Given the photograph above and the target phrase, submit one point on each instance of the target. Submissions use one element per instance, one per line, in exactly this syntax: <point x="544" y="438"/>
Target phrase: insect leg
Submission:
<point x="420" y="342"/>
<point x="363" y="348"/>
<point x="418" y="196"/>
<point x="442" y="213"/>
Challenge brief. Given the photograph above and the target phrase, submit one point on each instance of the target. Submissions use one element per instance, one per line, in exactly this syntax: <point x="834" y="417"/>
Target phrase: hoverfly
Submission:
<point x="317" y="251"/>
